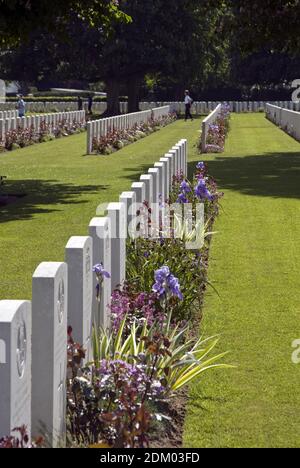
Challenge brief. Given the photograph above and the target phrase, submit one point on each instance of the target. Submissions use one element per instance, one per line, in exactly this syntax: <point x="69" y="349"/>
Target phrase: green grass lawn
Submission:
<point x="63" y="188"/>
<point x="254" y="261"/>
<point x="254" y="265"/>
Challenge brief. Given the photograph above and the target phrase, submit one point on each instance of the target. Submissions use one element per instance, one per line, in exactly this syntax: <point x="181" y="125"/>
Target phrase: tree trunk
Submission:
<point x="113" y="95"/>
<point x="133" y="87"/>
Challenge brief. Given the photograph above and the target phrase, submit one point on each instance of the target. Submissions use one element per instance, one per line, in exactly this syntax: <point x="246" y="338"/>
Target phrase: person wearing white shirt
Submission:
<point x="188" y="101"/>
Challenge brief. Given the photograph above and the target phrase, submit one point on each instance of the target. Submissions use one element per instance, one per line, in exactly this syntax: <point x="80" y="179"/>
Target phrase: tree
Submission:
<point x="269" y="24"/>
<point x="166" y="37"/>
<point x="20" y="18"/>
<point x="178" y="39"/>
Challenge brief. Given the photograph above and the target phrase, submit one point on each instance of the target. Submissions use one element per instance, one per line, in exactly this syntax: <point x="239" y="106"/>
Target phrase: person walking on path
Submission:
<point x="21" y="106"/>
<point x="188" y="101"/>
<point x="80" y="103"/>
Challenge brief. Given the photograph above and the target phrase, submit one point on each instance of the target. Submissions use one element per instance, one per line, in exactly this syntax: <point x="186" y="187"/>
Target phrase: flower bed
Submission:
<point x="20" y="138"/>
<point x="121" y="399"/>
<point x="117" y="139"/>
<point x="217" y="132"/>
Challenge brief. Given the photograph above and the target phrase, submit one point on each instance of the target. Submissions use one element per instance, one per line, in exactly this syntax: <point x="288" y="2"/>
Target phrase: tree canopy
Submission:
<point x="20" y="18"/>
<point x="200" y="44"/>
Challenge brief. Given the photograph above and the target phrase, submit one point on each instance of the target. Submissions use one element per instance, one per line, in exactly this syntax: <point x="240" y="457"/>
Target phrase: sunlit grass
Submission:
<point x="254" y="265"/>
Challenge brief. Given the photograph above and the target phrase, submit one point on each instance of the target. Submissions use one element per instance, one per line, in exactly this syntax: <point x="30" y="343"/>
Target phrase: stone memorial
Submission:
<point x="147" y="179"/>
<point x="166" y="163"/>
<point x="79" y="258"/>
<point x="161" y="192"/>
<point x="116" y="214"/>
<point x="99" y="230"/>
<point x="139" y="189"/>
<point x="49" y="357"/>
<point x="15" y="366"/>
<point x="129" y="201"/>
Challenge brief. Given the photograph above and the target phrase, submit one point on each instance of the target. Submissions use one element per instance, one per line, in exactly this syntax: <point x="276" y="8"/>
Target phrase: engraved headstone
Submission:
<point x="161" y="168"/>
<point x="129" y="200"/>
<point x="116" y="214"/>
<point x="139" y="189"/>
<point x="15" y="366"/>
<point x="79" y="258"/>
<point x="166" y="163"/>
<point x="147" y="179"/>
<point x="99" y="230"/>
<point x="49" y="357"/>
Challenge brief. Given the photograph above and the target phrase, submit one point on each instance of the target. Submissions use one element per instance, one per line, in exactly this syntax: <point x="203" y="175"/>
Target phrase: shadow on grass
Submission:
<point x="42" y="192"/>
<point x="274" y="175"/>
<point x="135" y="176"/>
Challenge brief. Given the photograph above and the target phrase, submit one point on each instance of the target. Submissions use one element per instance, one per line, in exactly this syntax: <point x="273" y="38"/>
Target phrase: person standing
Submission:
<point x="21" y="106"/>
<point x="90" y="104"/>
<point x="188" y="101"/>
<point x="80" y="103"/>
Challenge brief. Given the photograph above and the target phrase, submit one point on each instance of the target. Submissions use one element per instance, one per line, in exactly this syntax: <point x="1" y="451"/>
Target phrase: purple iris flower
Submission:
<point x="100" y="272"/>
<point x="185" y="187"/>
<point x="182" y="198"/>
<point x="166" y="284"/>
<point x="201" y="166"/>
<point x="202" y="191"/>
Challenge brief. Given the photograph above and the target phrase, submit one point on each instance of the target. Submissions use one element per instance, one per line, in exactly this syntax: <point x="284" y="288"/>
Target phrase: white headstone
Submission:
<point x="15" y="366"/>
<point x="89" y="138"/>
<point x="79" y="258"/>
<point x="49" y="356"/>
<point x="161" y="168"/>
<point x="129" y="200"/>
<point x="154" y="172"/>
<point x="116" y="214"/>
<point x="139" y="189"/>
<point x="2" y="130"/>
<point x="147" y="179"/>
<point x="166" y="163"/>
<point x="175" y="155"/>
<point x="171" y="168"/>
<point x="100" y="232"/>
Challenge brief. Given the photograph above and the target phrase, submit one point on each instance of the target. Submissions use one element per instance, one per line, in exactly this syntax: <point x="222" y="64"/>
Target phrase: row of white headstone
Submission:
<point x="198" y="108"/>
<point x="203" y="107"/>
<point x="209" y="120"/>
<point x="9" y="114"/>
<point x="102" y="127"/>
<point x="288" y="120"/>
<point x="33" y="334"/>
<point x="66" y="106"/>
<point x="34" y="122"/>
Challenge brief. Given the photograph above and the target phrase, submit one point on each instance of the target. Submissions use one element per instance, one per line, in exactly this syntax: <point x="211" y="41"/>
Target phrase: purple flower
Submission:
<point x="166" y="284"/>
<point x="201" y="166"/>
<point x="119" y="377"/>
<point x="136" y="309"/>
<point x="202" y="192"/>
<point x="100" y="272"/>
<point x="182" y="198"/>
<point x="185" y="187"/>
